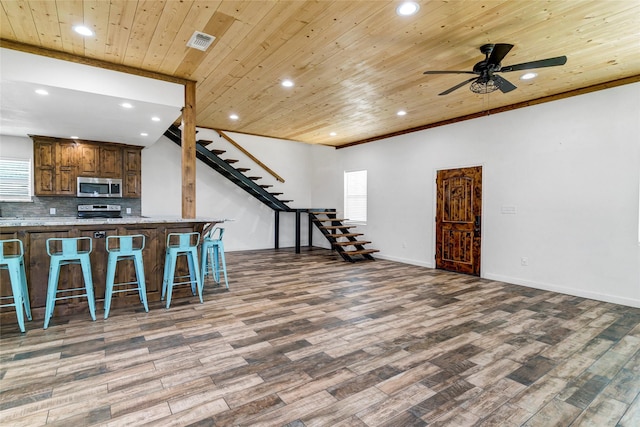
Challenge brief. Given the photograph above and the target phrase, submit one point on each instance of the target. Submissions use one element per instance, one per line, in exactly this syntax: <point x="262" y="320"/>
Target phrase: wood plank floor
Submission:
<point x="308" y="340"/>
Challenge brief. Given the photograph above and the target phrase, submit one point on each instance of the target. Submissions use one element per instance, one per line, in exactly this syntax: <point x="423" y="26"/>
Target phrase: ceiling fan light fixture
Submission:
<point x="408" y="8"/>
<point x="528" y="76"/>
<point x="483" y="87"/>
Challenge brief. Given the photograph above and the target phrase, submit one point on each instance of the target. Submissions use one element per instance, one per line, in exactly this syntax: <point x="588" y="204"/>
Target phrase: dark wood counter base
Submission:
<point x="37" y="265"/>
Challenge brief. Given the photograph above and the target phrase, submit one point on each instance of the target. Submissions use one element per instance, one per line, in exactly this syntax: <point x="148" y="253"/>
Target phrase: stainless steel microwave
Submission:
<point x="99" y="187"/>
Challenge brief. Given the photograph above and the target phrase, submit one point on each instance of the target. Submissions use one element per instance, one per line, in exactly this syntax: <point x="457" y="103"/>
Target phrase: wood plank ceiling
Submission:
<point x="355" y="64"/>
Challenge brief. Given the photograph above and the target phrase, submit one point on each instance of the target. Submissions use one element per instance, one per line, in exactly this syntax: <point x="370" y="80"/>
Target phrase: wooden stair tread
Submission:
<point x="266" y="185"/>
<point x="286" y="201"/>
<point x="243" y="169"/>
<point x="346" y="235"/>
<point x="351" y="242"/>
<point x="323" y="213"/>
<point x="231" y="160"/>
<point x="361" y="252"/>
<point x="254" y="178"/>
<point x="330" y="219"/>
<point x="276" y="194"/>
<point x="336" y="227"/>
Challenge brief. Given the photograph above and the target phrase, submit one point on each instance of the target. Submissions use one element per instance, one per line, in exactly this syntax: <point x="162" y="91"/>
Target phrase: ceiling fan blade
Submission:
<point x="549" y="62"/>
<point x="458" y="86"/>
<point x="503" y="84"/>
<point x="498" y="53"/>
<point x="449" y="72"/>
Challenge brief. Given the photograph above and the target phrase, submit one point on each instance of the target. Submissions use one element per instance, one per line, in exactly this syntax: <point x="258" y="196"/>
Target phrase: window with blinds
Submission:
<point x="355" y="196"/>
<point x="15" y="180"/>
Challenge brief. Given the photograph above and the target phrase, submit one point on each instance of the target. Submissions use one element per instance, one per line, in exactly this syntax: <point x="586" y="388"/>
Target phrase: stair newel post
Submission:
<point x="277" y="229"/>
<point x="310" y="229"/>
<point x="297" y="231"/>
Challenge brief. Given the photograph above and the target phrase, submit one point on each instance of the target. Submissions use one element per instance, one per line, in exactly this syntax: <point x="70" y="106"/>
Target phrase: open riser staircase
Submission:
<point x="342" y="237"/>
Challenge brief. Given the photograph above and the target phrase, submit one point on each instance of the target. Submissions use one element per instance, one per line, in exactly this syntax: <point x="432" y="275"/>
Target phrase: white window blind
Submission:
<point x="15" y="180"/>
<point x="355" y="196"/>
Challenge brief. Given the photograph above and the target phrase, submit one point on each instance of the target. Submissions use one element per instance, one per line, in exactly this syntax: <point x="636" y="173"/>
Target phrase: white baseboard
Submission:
<point x="405" y="261"/>
<point x="563" y="290"/>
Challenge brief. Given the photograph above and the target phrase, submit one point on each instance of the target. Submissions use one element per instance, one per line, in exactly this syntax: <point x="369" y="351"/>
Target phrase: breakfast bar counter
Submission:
<point x="34" y="232"/>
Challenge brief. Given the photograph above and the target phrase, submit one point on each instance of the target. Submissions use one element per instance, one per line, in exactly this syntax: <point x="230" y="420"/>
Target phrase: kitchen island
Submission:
<point x="34" y="232"/>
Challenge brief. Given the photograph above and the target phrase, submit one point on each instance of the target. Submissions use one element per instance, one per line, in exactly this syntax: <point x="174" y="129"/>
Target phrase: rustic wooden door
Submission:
<point x="459" y="219"/>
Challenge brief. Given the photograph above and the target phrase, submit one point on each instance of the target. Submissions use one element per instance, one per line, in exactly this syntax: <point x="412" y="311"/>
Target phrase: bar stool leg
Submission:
<point x="194" y="273"/>
<point x="224" y="264"/>
<point x="18" y="298"/>
<point x="142" y="287"/>
<point x="167" y="287"/>
<point x="216" y="263"/>
<point x="52" y="289"/>
<point x="25" y="290"/>
<point x="88" y="284"/>
<point x="111" y="274"/>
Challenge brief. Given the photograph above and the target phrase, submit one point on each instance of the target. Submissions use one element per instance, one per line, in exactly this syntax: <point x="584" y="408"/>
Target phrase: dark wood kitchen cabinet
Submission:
<point x="54" y="168"/>
<point x="103" y="161"/>
<point x="132" y="181"/>
<point x="58" y="162"/>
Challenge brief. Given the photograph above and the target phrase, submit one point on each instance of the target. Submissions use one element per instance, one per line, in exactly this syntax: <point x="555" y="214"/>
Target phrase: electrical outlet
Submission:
<point x="524" y="261"/>
<point x="52" y="211"/>
<point x="128" y="211"/>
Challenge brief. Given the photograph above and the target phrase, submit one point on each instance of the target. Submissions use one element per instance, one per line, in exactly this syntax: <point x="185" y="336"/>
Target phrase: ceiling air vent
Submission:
<point x="200" y="41"/>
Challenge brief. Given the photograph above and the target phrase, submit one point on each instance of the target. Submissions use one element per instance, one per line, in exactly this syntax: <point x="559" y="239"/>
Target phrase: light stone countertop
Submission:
<point x="73" y="221"/>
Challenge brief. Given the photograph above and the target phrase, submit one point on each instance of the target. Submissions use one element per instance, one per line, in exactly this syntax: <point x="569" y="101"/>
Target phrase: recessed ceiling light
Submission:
<point x="401" y="113"/>
<point x="332" y="134"/>
<point x="144" y="134"/>
<point x="155" y="118"/>
<point x="74" y="137"/>
<point x="408" y="8"/>
<point x="528" y="76"/>
<point x="126" y="105"/>
<point x="234" y="117"/>
<point x="42" y="92"/>
<point x="287" y="83"/>
<point x="82" y="30"/>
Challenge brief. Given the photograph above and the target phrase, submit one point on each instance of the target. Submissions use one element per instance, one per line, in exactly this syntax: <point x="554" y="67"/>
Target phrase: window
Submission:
<point x="355" y="196"/>
<point x="15" y="180"/>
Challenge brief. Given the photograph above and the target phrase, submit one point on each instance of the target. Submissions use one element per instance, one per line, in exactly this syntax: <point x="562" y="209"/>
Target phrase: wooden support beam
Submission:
<point x="189" y="152"/>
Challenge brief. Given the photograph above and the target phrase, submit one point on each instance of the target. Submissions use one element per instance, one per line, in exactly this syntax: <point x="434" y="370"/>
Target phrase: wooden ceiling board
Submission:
<point x="354" y="63"/>
<point x="144" y="29"/>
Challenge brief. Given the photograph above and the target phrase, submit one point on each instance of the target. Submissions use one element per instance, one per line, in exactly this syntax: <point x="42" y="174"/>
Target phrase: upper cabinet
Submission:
<point x="104" y="161"/>
<point x="58" y="162"/>
<point x="132" y="173"/>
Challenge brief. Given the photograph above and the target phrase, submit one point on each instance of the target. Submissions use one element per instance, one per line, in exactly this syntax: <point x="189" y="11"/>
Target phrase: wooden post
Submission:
<point x="189" y="152"/>
<point x="277" y="230"/>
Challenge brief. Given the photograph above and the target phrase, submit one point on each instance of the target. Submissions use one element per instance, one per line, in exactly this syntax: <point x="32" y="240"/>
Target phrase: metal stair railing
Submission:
<point x="229" y="172"/>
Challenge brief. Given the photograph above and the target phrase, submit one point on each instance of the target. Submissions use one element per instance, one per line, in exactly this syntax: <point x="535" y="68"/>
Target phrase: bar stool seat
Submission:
<point x="212" y="255"/>
<point x="122" y="248"/>
<point x="68" y="255"/>
<point x="14" y="263"/>
<point x="181" y="244"/>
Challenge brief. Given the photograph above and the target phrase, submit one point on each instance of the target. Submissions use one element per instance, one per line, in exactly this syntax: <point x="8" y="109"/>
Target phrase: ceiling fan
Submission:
<point x="486" y="80"/>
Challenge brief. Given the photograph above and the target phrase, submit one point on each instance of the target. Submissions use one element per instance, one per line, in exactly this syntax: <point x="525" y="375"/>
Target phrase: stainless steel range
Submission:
<point x="99" y="211"/>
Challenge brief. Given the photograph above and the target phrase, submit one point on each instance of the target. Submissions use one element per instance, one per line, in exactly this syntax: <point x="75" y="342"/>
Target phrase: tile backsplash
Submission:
<point x="64" y="206"/>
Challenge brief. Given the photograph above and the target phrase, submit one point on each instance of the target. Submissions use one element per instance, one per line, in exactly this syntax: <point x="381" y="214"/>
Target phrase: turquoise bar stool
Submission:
<point x="181" y="244"/>
<point x="64" y="251"/>
<point x="212" y="255"/>
<point x="122" y="248"/>
<point x="14" y="263"/>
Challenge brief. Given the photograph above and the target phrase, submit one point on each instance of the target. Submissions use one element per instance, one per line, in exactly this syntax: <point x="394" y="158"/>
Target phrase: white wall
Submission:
<point x="16" y="147"/>
<point x="569" y="167"/>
